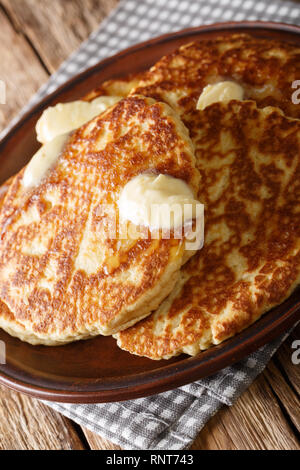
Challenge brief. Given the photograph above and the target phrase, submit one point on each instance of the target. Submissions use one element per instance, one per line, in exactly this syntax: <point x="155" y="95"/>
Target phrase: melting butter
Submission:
<point x="65" y="117"/>
<point x="43" y="160"/>
<point x="223" y="91"/>
<point x="158" y="202"/>
<point x="53" y="129"/>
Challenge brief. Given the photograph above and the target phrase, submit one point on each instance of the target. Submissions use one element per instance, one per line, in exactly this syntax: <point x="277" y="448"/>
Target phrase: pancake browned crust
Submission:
<point x="265" y="69"/>
<point x="249" y="161"/>
<point x="61" y="277"/>
<point x="117" y="87"/>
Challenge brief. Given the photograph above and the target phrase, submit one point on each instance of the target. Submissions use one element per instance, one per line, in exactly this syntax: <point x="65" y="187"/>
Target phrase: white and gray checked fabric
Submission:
<point x="170" y="420"/>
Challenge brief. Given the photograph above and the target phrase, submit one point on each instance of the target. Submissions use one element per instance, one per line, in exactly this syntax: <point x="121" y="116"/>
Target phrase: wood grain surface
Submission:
<point x="267" y="415"/>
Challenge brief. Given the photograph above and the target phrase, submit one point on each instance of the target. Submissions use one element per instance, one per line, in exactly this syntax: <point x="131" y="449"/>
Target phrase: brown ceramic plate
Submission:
<point x="96" y="370"/>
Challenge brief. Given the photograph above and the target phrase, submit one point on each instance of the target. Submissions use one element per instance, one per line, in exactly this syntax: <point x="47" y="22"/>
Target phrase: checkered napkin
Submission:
<point x="173" y="419"/>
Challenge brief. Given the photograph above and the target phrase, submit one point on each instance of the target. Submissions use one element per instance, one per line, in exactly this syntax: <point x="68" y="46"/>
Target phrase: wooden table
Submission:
<point x="35" y="37"/>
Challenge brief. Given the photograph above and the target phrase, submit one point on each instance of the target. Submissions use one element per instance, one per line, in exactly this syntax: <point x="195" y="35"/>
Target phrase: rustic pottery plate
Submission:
<point x="96" y="370"/>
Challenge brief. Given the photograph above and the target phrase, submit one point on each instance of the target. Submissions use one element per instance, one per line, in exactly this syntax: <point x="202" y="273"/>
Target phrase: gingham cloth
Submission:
<point x="170" y="420"/>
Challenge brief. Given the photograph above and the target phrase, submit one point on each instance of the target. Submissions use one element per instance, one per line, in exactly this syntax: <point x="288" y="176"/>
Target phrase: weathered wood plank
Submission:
<point x="58" y="27"/>
<point x="255" y="422"/>
<point x="20" y="70"/>
<point x="27" y="424"/>
<point x="287" y="397"/>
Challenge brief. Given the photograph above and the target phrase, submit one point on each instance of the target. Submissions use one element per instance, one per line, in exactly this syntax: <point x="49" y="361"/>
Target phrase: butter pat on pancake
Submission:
<point x="222" y="91"/>
<point x="65" y="117"/>
<point x="249" y="162"/>
<point x="159" y="202"/>
<point x="62" y="276"/>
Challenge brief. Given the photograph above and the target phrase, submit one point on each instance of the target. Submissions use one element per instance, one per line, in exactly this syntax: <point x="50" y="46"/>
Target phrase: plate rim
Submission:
<point x="167" y="377"/>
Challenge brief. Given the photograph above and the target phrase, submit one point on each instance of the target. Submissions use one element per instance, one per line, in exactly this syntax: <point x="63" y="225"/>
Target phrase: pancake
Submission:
<point x="266" y="69"/>
<point x="62" y="277"/>
<point x="249" y="162"/>
<point x="116" y="87"/>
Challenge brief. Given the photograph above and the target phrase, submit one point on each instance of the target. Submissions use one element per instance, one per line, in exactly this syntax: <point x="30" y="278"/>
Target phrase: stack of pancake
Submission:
<point x="62" y="279"/>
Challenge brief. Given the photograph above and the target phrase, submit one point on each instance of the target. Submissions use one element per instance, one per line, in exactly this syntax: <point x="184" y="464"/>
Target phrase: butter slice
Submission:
<point x="43" y="160"/>
<point x="158" y="202"/>
<point x="223" y="91"/>
<point x="65" y="117"/>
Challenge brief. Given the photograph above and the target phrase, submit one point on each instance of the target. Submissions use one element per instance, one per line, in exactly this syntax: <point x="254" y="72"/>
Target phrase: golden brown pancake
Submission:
<point x="266" y="69"/>
<point x="117" y="87"/>
<point x="62" y="278"/>
<point x="249" y="161"/>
